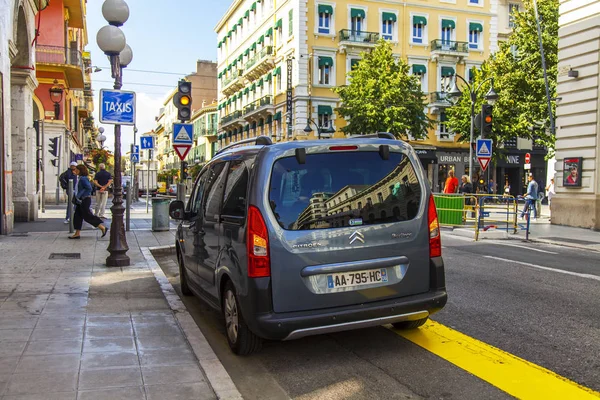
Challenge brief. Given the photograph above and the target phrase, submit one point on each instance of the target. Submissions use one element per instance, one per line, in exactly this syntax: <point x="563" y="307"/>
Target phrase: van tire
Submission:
<point x="410" y="324"/>
<point x="183" y="280"/>
<point x="245" y="342"/>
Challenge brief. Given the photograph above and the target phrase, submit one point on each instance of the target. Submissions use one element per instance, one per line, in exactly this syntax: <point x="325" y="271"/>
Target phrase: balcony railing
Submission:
<point x="232" y="76"/>
<point x="439" y="97"/>
<point x="263" y="101"/>
<point x="231" y="116"/>
<point x="348" y="35"/>
<point x="267" y="51"/>
<point x="58" y="55"/>
<point x="449" y="46"/>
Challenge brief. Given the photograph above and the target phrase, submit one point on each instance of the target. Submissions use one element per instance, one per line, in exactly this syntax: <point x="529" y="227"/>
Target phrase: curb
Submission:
<point x="217" y="376"/>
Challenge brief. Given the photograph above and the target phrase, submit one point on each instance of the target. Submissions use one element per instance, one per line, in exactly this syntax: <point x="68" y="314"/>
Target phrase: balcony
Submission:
<point x="229" y="119"/>
<point x="449" y="50"/>
<point x="61" y="59"/>
<point x="259" y="64"/>
<point x="233" y="83"/>
<point x="350" y="38"/>
<point x="438" y="100"/>
<point x="259" y="108"/>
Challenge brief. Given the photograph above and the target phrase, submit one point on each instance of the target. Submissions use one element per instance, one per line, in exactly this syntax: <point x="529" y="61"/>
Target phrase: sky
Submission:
<point x="165" y="36"/>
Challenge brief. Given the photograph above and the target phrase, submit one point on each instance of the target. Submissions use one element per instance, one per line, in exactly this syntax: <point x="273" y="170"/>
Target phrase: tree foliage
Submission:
<point x="518" y="79"/>
<point x="382" y="96"/>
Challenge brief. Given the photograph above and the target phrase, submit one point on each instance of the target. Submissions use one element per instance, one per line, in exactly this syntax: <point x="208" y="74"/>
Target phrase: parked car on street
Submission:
<point x="308" y="237"/>
<point x="172" y="190"/>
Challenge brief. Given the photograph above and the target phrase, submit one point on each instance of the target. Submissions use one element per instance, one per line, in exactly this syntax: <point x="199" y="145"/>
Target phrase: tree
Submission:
<point x="382" y="96"/>
<point x="518" y="80"/>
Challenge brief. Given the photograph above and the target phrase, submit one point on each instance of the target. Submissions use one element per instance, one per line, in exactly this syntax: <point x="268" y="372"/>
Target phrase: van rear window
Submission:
<point x="343" y="189"/>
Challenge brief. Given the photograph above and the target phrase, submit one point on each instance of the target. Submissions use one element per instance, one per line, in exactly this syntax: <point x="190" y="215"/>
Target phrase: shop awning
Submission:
<point x="269" y="119"/>
<point x="325" y="9"/>
<point x="419" y="69"/>
<point x="269" y="32"/>
<point x="260" y="82"/>
<point x="277" y="71"/>
<point x="253" y="7"/>
<point x="324" y="110"/>
<point x="246" y="52"/>
<point x="448" y="23"/>
<point x="253" y="124"/>
<point x="261" y="122"/>
<point x="447" y="71"/>
<point x="219" y="45"/>
<point x="357" y="13"/>
<point x="240" y="21"/>
<point x="246" y="90"/>
<point x="253" y="87"/>
<point x="269" y="77"/>
<point x="417" y="20"/>
<point x="253" y="46"/>
<point x="279" y="24"/>
<point x="247" y="14"/>
<point x="325" y="61"/>
<point x="387" y="16"/>
<point x="475" y="27"/>
<point x="246" y="128"/>
<point x="261" y="39"/>
<point x="277" y="116"/>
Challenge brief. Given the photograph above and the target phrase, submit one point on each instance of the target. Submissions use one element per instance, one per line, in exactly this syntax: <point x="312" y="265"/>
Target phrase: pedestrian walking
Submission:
<point x="466" y="189"/>
<point x="551" y="193"/>
<point x="102" y="180"/>
<point x="531" y="197"/>
<point x="492" y="186"/>
<point x="83" y="202"/>
<point x="451" y="185"/>
<point x="64" y="178"/>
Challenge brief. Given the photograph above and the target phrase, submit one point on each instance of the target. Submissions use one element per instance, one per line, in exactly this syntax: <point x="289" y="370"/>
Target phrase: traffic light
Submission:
<point x="486" y="120"/>
<point x="183" y="100"/>
<point x="54" y="146"/>
<point x="184" y="168"/>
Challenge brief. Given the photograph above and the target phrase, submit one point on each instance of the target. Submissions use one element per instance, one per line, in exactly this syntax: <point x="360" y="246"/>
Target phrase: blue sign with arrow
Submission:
<point x="183" y="133"/>
<point x="147" y="142"/>
<point x="484" y="147"/>
<point x="136" y="149"/>
<point x="117" y="107"/>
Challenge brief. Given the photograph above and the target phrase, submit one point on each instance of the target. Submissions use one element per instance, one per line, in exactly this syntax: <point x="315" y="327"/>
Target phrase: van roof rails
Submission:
<point x="380" y="135"/>
<point x="257" y="141"/>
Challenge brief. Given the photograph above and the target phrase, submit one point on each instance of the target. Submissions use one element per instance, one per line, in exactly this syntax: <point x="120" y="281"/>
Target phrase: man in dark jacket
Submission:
<point x="64" y="179"/>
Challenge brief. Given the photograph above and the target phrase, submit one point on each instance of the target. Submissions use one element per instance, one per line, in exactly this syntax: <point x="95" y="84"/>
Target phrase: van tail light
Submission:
<point x="259" y="263"/>
<point x="435" y="240"/>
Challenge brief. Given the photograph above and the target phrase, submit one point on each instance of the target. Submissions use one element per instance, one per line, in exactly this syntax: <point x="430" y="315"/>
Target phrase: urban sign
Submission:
<point x="183" y="133"/>
<point x="117" y="107"/>
<point x="147" y="142"/>
<point x="135" y="158"/>
<point x="484" y="152"/>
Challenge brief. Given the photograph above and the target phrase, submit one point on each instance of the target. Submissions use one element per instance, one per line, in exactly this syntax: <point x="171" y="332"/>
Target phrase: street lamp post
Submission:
<point x="491" y="96"/>
<point x="320" y="130"/>
<point x="101" y="138"/>
<point x="112" y="42"/>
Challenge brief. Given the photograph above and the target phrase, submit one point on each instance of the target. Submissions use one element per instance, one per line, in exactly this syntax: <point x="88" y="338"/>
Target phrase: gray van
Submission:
<point x="308" y="237"/>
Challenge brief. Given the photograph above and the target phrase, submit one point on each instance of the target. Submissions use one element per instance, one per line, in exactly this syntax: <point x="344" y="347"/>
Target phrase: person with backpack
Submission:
<point x="64" y="178"/>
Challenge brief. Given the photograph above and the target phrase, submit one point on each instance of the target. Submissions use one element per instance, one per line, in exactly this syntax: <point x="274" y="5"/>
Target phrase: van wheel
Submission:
<point x="241" y="340"/>
<point x="185" y="289"/>
<point x="410" y="324"/>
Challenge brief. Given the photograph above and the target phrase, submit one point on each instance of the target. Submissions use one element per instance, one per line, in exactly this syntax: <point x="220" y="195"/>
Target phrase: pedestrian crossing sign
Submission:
<point x="484" y="147"/>
<point x="135" y="158"/>
<point x="183" y="133"/>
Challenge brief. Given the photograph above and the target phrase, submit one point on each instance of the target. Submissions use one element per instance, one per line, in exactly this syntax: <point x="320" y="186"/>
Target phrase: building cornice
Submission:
<point x="228" y="14"/>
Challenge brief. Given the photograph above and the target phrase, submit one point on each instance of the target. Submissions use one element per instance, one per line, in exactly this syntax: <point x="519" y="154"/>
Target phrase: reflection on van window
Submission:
<point x="343" y="189"/>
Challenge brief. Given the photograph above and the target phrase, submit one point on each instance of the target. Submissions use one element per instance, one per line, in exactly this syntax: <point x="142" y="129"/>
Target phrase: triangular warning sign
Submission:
<point x="484" y="149"/>
<point x="182" y="150"/>
<point x="182" y="136"/>
<point x="484" y="162"/>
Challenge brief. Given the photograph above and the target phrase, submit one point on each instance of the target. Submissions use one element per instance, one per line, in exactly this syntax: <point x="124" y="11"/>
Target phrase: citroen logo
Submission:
<point x="356" y="236"/>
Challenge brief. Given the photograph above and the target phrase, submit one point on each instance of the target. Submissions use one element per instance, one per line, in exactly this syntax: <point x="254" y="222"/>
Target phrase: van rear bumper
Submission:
<point x="287" y="326"/>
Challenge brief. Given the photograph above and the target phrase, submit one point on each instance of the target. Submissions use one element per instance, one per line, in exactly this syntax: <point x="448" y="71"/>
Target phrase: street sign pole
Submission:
<point x="182" y="143"/>
<point x="59" y="143"/>
<point x="148" y="181"/>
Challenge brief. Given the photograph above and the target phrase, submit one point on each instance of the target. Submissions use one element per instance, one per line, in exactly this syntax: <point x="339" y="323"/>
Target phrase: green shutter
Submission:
<point x="357" y="13"/>
<point x="291" y="23"/>
<point x="419" y="69"/>
<point x="269" y="77"/>
<point x="261" y="122"/>
<point x="279" y="24"/>
<point x="277" y="116"/>
<point x="448" y="23"/>
<point x="474" y="26"/>
<point x="324" y="110"/>
<point x="269" y="119"/>
<point x="260" y="82"/>
<point x="261" y="39"/>
<point x="253" y="87"/>
<point x="419" y="20"/>
<point x="447" y="71"/>
<point x="354" y="62"/>
<point x="386" y="16"/>
<point x="325" y="61"/>
<point x="247" y="14"/>
<point x="269" y="32"/>
<point x="253" y="7"/>
<point x="246" y="128"/>
<point x="253" y="125"/>
<point x="277" y="71"/>
<point x="246" y="90"/>
<point x="325" y="9"/>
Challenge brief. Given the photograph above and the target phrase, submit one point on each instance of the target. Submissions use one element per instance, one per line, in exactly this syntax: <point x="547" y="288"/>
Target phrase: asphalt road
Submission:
<point x="512" y="295"/>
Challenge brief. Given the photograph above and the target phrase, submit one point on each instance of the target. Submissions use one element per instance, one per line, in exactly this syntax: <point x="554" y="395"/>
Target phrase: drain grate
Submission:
<point x="64" y="256"/>
<point x="577" y="241"/>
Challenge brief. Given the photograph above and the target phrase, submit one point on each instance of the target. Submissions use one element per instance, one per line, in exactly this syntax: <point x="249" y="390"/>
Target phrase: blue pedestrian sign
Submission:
<point x="135" y="158"/>
<point x="484" y="147"/>
<point x="117" y="107"/>
<point x="147" y="142"/>
<point x="183" y="133"/>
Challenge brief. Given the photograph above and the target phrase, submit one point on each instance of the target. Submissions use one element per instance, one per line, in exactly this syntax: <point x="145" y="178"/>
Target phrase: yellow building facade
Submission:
<point x="277" y="53"/>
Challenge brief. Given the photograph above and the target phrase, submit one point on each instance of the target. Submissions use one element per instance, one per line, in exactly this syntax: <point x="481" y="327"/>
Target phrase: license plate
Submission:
<point x="357" y="278"/>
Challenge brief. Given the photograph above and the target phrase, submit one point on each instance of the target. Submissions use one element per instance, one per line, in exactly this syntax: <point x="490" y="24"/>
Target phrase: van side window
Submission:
<point x="198" y="196"/>
<point x="236" y="189"/>
<point x="213" y="188"/>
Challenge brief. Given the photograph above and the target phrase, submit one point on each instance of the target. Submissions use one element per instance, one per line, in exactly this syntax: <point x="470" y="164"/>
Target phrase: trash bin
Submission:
<point x="160" y="214"/>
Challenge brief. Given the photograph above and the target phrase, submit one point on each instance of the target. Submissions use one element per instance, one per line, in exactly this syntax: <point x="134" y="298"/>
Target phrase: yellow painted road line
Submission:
<point x="507" y="372"/>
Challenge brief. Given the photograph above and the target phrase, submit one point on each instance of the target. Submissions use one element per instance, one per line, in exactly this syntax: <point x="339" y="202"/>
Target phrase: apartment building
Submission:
<point x="206" y="124"/>
<point x="321" y="40"/>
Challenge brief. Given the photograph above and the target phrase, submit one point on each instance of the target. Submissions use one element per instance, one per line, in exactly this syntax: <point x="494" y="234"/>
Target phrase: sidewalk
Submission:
<point x="544" y="232"/>
<point x="71" y="328"/>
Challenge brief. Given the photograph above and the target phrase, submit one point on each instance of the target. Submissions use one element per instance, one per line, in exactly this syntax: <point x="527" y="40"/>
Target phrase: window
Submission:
<point x="234" y="203"/>
<point x="357" y="17"/>
<point x="195" y="203"/>
<point x="388" y="21"/>
<point x="512" y="9"/>
<point x="475" y="30"/>
<point x="291" y="24"/>
<point x="325" y="67"/>
<point x="418" y="29"/>
<point x="447" y="75"/>
<point x="325" y="13"/>
<point x="444" y="131"/>
<point x="420" y="71"/>
<point x="214" y="189"/>
<point x="474" y="2"/>
<point x="380" y="197"/>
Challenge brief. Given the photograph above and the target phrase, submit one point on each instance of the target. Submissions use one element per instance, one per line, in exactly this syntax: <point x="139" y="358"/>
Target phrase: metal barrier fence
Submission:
<point x="497" y="212"/>
<point x="457" y="210"/>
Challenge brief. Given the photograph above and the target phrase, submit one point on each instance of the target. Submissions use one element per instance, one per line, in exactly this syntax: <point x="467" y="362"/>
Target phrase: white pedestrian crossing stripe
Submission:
<point x="484" y="149"/>
<point x="182" y="136"/>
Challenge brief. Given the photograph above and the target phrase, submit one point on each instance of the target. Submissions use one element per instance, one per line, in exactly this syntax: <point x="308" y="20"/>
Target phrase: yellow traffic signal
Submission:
<point x="183" y="100"/>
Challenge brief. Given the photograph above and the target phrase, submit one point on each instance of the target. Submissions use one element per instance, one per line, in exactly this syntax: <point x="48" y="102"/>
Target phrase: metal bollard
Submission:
<point x="70" y="205"/>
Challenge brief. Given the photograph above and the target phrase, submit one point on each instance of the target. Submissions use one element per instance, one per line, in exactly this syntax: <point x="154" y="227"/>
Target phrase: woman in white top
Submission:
<point x="551" y="193"/>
